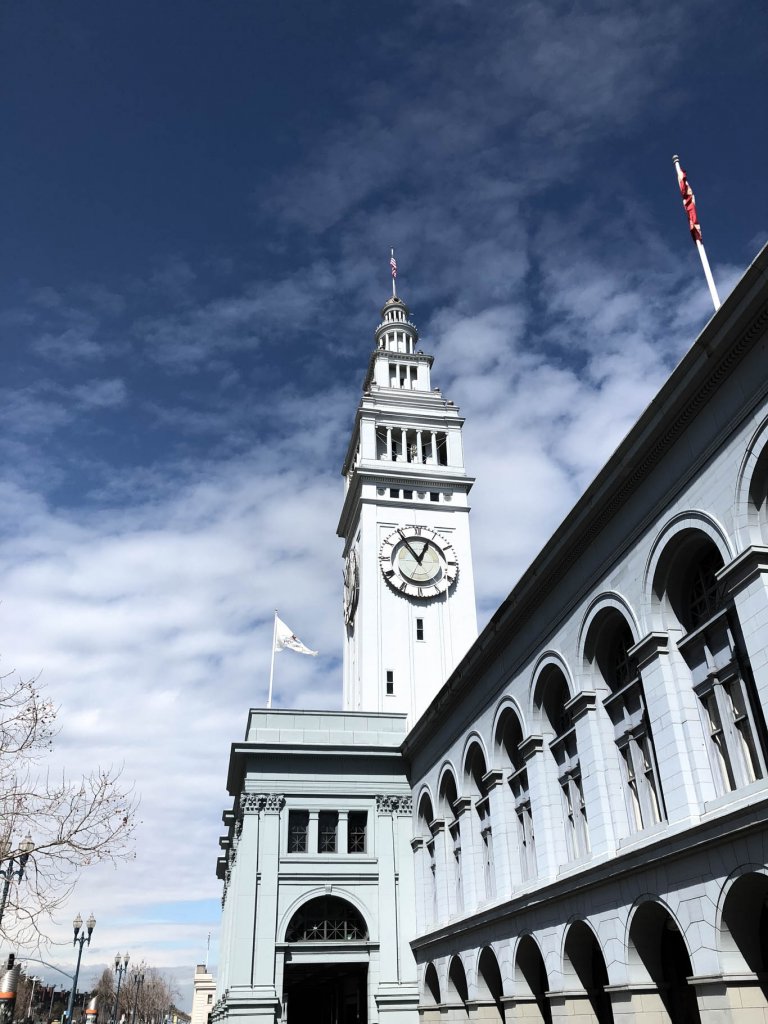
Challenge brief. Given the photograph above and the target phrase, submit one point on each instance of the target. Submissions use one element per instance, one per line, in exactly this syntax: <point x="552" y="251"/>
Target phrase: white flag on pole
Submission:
<point x="286" y="638"/>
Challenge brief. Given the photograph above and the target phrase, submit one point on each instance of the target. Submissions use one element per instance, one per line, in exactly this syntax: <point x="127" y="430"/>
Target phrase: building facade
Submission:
<point x="589" y="784"/>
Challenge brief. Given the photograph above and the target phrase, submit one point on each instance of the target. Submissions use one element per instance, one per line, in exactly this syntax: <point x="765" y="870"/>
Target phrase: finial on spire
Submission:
<point x="393" y="268"/>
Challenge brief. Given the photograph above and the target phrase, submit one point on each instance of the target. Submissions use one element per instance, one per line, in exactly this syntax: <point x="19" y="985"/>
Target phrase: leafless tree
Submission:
<point x="105" y="994"/>
<point x="153" y="997"/>
<point x="72" y="822"/>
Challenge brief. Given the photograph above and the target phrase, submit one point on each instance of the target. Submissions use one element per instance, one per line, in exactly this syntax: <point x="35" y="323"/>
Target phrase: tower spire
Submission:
<point x="393" y="268"/>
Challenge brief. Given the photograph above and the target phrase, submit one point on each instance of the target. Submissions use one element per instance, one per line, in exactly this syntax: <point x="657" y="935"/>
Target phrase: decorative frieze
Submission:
<point x="390" y="804"/>
<point x="254" y="803"/>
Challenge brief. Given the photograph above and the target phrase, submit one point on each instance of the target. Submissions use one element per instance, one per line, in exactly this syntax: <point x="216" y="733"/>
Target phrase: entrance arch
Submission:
<point x="655" y="942"/>
<point x="325" y="978"/>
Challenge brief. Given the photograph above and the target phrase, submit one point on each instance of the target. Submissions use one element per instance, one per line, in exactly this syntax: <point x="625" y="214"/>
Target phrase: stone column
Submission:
<point x="342" y="833"/>
<point x="471" y="858"/>
<point x="389" y="443"/>
<point x="504" y="832"/>
<point x="251" y="994"/>
<point x="266" y="904"/>
<point x="312" y="833"/>
<point x="241" y="892"/>
<point x="396" y="993"/>
<point x="546" y="806"/>
<point x="678" y="735"/>
<point x="446" y="899"/>
<point x="597" y="797"/>
<point x="423" y="884"/>
<point x="746" y="579"/>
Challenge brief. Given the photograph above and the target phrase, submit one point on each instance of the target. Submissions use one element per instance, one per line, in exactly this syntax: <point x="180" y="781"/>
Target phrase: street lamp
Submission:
<point x="139" y="983"/>
<point x="34" y="979"/>
<point x="80" y="938"/>
<point x="13" y="871"/>
<point x="120" y="970"/>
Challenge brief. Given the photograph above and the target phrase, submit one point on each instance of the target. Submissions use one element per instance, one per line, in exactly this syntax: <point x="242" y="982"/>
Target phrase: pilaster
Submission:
<point x="546" y="806"/>
<point x="675" y="720"/>
<point x="503" y="820"/>
<point x="746" y="579"/>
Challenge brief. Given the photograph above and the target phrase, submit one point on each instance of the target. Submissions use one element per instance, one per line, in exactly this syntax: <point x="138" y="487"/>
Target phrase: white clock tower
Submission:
<point x="409" y="594"/>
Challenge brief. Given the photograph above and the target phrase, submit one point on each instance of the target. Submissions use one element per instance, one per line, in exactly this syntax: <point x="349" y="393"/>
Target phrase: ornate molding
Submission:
<point x="251" y="803"/>
<point x="745" y="568"/>
<point x="650" y="647"/>
<point x="492" y="778"/>
<point x="254" y="803"/>
<point x="581" y="703"/>
<point x="530" y="746"/>
<point x="391" y="804"/>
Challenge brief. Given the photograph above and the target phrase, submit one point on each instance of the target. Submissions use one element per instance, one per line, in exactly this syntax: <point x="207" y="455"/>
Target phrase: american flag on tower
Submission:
<point x="393" y="263"/>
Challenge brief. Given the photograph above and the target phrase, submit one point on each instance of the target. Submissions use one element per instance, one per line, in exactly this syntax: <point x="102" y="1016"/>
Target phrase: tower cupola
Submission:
<point x="396" y="333"/>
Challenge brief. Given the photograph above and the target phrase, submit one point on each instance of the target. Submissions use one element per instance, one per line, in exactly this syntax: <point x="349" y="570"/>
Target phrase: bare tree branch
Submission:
<point x="72" y="822"/>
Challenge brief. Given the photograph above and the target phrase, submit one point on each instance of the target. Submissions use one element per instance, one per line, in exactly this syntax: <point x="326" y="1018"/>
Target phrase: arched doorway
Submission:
<point x="744" y="929"/>
<point x="584" y="959"/>
<point x="326" y="964"/>
<point x="656" y="940"/>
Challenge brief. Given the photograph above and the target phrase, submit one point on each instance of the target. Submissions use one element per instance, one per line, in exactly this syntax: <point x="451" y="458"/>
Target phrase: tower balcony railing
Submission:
<point x="396" y="325"/>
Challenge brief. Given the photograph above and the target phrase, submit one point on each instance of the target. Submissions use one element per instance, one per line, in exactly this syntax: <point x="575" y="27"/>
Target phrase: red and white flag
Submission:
<point x="393" y="264"/>
<point x="689" y="202"/>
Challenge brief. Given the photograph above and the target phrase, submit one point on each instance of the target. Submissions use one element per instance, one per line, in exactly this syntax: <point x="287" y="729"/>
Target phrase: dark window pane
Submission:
<point x="328" y="822"/>
<point x="298" y="831"/>
<point x="356" y="831"/>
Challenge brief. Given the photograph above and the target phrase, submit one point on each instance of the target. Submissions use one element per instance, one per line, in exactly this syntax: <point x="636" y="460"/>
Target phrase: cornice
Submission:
<point x="745" y="568"/>
<point x="395" y="474"/>
<point x="648" y="647"/>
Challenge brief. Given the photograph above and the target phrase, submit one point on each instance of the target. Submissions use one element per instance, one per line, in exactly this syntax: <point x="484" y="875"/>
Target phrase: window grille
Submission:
<point x="327" y="828"/>
<point x="356" y="834"/>
<point x="326" y="919"/>
<point x="705" y="595"/>
<point x="298" y="831"/>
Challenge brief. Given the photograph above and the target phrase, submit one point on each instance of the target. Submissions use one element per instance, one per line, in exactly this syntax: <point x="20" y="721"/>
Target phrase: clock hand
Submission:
<point x="424" y="551"/>
<point x="409" y="547"/>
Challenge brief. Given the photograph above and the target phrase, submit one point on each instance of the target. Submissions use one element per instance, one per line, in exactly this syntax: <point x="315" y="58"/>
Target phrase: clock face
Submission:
<point x="351" y="587"/>
<point x="417" y="561"/>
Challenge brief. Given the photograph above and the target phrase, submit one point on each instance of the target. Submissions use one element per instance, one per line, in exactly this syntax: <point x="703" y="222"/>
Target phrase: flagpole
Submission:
<point x="708" y="274"/>
<point x="394" y="294"/>
<point x="272" y="662"/>
<point x="688" y="201"/>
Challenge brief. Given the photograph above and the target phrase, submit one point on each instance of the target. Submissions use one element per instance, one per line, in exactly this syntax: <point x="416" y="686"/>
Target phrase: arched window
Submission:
<point x="326" y="919"/>
<point x="475" y="770"/>
<point x="509" y="736"/>
<point x="448" y="799"/>
<point x="714" y="652"/>
<point x="608" y="645"/>
<point x="552" y="696"/>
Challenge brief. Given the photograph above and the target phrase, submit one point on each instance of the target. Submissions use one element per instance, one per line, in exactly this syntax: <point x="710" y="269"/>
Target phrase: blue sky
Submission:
<point x="198" y="201"/>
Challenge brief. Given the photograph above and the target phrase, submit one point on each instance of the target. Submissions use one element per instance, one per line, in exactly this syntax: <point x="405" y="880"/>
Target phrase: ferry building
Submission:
<point x="565" y="816"/>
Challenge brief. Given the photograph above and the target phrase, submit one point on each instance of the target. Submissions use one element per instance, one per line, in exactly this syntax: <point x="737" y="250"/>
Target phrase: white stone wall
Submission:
<point x="642" y="890"/>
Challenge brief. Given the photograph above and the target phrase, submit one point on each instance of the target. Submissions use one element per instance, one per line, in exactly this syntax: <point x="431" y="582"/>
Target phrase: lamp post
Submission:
<point x="34" y="979"/>
<point x="120" y="970"/>
<point x="139" y="983"/>
<point x="17" y="862"/>
<point x="80" y="938"/>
